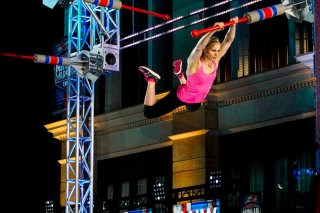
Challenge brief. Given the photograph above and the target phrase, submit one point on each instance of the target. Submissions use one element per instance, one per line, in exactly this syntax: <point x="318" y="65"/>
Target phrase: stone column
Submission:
<point x="195" y="152"/>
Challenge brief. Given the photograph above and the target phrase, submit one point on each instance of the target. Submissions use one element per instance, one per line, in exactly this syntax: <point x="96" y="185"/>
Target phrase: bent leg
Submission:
<point x="150" y="98"/>
<point x="152" y="78"/>
<point x="164" y="105"/>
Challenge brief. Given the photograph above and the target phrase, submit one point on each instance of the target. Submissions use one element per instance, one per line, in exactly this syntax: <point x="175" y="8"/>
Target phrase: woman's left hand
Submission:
<point x="235" y="20"/>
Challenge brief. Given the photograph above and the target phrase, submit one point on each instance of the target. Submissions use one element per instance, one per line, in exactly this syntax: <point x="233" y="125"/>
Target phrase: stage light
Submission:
<point x="215" y="179"/>
<point x="159" y="190"/>
<point x="111" y="58"/>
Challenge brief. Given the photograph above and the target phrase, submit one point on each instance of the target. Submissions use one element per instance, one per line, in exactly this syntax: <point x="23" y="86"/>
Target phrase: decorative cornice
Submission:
<point x="136" y="124"/>
<point x="180" y="109"/>
<point x="63" y="137"/>
<point x="140" y="123"/>
<point x="134" y="150"/>
<point x="261" y="94"/>
<point x="145" y="122"/>
<point x="188" y="134"/>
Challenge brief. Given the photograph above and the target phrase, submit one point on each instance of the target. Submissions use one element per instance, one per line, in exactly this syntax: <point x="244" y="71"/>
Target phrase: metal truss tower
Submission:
<point x="92" y="31"/>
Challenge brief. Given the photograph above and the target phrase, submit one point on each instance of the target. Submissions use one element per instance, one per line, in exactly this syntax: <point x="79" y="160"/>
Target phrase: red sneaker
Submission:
<point x="177" y="67"/>
<point x="149" y="74"/>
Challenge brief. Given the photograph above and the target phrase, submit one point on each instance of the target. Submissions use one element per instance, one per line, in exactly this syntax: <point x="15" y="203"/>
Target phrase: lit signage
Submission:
<point x="251" y="203"/>
<point x="206" y="206"/>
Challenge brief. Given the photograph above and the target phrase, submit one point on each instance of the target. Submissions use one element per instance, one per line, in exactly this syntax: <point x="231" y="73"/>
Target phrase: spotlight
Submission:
<point x="215" y="178"/>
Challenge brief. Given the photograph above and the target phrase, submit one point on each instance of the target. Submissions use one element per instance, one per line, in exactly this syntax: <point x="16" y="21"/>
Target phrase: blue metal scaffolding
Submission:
<point x="90" y="27"/>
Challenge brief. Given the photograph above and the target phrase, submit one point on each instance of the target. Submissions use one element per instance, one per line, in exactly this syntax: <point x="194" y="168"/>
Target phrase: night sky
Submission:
<point x="29" y="152"/>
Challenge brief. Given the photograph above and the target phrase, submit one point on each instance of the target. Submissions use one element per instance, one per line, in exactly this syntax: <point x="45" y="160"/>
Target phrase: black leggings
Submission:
<point x="168" y="104"/>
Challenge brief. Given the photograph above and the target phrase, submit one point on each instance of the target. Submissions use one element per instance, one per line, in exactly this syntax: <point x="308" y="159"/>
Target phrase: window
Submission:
<point x="302" y="38"/>
<point x="142" y="186"/>
<point x="125" y="189"/>
<point x="110" y="192"/>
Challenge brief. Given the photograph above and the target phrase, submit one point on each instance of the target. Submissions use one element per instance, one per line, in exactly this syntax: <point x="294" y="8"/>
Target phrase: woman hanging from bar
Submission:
<point x="202" y="66"/>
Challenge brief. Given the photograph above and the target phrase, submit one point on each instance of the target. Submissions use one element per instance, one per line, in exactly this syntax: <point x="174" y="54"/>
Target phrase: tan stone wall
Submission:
<point x="193" y="154"/>
<point x="188" y="162"/>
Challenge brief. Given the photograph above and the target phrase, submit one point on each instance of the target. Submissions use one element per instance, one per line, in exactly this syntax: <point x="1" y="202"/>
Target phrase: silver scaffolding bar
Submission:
<point x="182" y="26"/>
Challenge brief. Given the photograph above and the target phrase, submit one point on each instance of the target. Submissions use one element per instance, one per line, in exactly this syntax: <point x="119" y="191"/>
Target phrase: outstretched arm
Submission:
<point x="229" y="37"/>
<point x="196" y="53"/>
<point x="202" y="43"/>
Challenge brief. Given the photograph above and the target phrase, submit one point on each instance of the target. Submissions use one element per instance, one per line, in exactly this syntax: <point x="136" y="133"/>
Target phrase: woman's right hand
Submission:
<point x="220" y="24"/>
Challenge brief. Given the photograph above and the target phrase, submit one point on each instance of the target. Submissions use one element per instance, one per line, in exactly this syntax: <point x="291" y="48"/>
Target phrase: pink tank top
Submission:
<point x="197" y="87"/>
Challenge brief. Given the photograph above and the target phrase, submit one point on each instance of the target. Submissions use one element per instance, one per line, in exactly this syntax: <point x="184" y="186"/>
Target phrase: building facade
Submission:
<point x="250" y="148"/>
